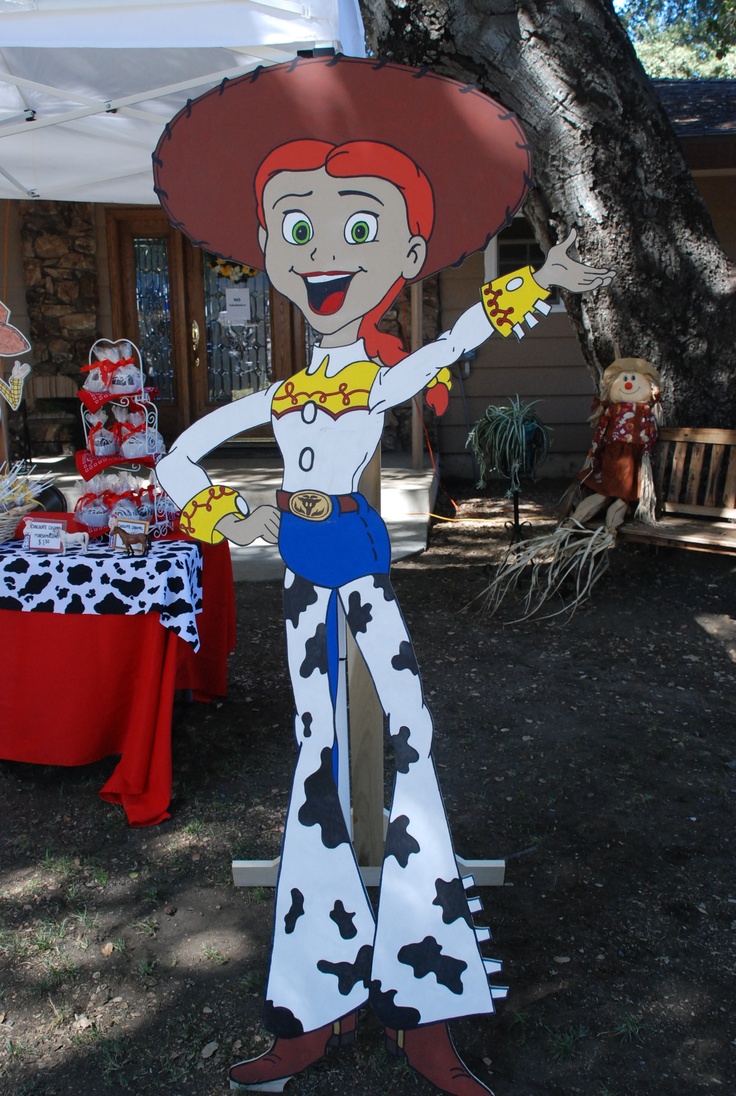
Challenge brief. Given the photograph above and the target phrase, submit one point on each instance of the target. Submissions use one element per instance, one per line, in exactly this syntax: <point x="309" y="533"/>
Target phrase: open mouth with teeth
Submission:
<point x="326" y="292"/>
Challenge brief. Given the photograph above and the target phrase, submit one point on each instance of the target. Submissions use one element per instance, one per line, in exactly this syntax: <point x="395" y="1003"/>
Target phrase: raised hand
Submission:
<point x="567" y="273"/>
<point x="12" y="390"/>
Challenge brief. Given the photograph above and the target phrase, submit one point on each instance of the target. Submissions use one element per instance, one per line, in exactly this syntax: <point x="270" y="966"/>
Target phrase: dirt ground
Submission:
<point x="595" y="754"/>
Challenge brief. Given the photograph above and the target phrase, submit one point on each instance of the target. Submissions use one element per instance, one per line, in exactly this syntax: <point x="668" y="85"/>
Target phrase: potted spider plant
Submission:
<point x="512" y="441"/>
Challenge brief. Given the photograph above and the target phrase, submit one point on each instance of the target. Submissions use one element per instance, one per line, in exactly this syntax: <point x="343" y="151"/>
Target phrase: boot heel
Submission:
<point x="395" y="1042"/>
<point x="430" y="1052"/>
<point x="344" y="1031"/>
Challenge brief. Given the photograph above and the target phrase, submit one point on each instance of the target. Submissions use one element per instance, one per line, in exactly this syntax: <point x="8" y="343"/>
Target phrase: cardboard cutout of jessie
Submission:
<point x="347" y="179"/>
<point x="12" y="342"/>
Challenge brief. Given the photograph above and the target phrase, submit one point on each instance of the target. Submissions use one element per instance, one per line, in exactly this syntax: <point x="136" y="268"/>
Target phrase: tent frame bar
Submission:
<point x="112" y="106"/>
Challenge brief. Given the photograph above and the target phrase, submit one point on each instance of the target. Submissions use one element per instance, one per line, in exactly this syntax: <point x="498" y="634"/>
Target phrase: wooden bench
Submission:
<point x="695" y="482"/>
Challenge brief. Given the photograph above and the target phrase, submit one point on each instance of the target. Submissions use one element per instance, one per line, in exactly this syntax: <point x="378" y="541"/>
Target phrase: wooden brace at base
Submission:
<point x="263" y="873"/>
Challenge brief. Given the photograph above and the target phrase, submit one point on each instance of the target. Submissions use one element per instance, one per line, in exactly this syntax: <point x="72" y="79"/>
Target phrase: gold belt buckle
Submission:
<point x="311" y="505"/>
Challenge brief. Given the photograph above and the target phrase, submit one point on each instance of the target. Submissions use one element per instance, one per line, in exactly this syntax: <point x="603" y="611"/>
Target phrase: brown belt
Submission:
<point x="315" y="505"/>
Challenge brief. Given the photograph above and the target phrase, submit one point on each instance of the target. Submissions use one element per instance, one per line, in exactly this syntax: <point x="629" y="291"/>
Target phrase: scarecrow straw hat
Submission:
<point x="471" y="149"/>
<point x="628" y="365"/>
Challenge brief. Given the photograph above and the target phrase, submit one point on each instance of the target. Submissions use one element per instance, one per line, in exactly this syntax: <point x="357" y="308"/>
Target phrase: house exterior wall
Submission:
<point x="56" y="283"/>
<point x="718" y="190"/>
<point x="547" y="365"/>
<point x="58" y="243"/>
<point x="51" y="275"/>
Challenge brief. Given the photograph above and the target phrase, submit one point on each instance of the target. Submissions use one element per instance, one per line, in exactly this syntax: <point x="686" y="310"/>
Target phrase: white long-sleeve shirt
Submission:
<point x="325" y="443"/>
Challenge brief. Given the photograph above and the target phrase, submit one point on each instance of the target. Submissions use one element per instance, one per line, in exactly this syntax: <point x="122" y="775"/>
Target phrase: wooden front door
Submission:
<point x="208" y="333"/>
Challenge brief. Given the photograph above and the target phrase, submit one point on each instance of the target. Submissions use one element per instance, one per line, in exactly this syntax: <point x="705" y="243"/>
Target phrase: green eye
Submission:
<point x="361" y="228"/>
<point x="296" y="228"/>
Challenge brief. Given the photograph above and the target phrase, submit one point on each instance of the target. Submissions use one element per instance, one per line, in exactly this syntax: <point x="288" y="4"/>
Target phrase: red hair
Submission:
<point x="348" y="161"/>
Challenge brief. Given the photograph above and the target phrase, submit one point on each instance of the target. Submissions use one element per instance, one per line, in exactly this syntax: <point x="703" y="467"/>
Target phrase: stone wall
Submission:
<point x="60" y="272"/>
<point x="58" y="245"/>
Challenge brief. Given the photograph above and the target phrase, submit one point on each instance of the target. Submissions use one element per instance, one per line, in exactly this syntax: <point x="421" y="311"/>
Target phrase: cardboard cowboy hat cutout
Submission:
<point x="12" y="342"/>
<point x="347" y="179"/>
<point x="470" y="149"/>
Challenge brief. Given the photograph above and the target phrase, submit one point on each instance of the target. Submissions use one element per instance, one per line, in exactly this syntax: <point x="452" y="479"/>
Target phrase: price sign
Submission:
<point x="44" y="535"/>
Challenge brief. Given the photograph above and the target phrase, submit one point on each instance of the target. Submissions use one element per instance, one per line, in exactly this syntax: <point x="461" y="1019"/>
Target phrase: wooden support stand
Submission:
<point x="417" y="337"/>
<point x="264" y="873"/>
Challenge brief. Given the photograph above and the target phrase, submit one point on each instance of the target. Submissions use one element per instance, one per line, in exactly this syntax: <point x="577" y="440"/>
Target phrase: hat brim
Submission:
<point x="472" y="150"/>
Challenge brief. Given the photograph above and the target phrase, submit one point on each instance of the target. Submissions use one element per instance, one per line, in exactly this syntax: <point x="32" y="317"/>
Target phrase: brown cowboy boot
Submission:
<point x="270" y="1072"/>
<point x="429" y="1050"/>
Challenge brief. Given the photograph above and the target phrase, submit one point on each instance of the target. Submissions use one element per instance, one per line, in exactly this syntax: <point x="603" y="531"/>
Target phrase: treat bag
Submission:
<point x="93" y="511"/>
<point x="101" y="441"/>
<point x="133" y="434"/>
<point x="126" y="379"/>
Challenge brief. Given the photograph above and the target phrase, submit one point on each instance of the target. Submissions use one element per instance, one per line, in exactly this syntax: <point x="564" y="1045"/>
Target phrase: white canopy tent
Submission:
<point x="86" y="86"/>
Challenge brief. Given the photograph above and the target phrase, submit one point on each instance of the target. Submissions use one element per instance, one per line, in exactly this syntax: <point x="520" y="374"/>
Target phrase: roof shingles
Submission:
<point x="700" y="108"/>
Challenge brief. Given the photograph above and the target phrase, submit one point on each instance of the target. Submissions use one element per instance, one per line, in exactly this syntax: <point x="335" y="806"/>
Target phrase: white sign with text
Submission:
<point x="237" y="303"/>
<point x="44" y="535"/>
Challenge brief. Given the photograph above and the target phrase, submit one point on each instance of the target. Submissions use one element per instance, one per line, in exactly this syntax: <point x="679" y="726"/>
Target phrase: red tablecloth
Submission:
<point x="78" y="688"/>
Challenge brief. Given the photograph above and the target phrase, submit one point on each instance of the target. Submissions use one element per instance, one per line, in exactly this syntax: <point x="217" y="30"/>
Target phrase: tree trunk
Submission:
<point x="607" y="161"/>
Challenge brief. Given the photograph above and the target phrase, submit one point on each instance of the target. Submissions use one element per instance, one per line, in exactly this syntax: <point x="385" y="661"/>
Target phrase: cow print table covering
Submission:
<point x="167" y="581"/>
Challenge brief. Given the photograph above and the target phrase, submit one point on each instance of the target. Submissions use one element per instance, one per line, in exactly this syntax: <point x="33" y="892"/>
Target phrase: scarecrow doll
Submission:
<point x="616" y="475"/>
<point x="346" y="180"/>
<point x="618" y="468"/>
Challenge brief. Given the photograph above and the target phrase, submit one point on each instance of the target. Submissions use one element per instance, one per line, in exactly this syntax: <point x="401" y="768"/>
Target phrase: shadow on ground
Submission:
<point x="596" y="754"/>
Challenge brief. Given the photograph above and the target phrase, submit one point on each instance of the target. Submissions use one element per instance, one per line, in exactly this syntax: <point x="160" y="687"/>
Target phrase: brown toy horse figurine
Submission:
<point x="130" y="540"/>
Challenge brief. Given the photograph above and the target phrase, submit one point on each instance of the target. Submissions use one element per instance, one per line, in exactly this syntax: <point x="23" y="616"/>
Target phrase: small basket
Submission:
<point x="9" y="520"/>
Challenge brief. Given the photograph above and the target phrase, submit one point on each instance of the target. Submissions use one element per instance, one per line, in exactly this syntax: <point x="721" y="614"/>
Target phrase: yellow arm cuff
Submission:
<point x="443" y="377"/>
<point x="12" y="391"/>
<point x="202" y="513"/>
<point x="512" y="300"/>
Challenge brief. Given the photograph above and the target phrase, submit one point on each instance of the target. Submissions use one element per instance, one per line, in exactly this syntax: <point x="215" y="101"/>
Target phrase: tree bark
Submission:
<point x="607" y="161"/>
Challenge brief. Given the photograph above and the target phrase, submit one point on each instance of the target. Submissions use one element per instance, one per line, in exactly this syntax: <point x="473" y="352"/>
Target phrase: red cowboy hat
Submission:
<point x="12" y="341"/>
<point x="471" y="149"/>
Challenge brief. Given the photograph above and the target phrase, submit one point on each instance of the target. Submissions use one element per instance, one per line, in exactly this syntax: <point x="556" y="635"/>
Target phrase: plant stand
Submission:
<point x="516" y="525"/>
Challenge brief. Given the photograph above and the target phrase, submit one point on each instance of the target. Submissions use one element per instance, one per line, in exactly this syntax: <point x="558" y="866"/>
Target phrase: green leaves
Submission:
<point x="682" y="39"/>
<point x="512" y="441"/>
